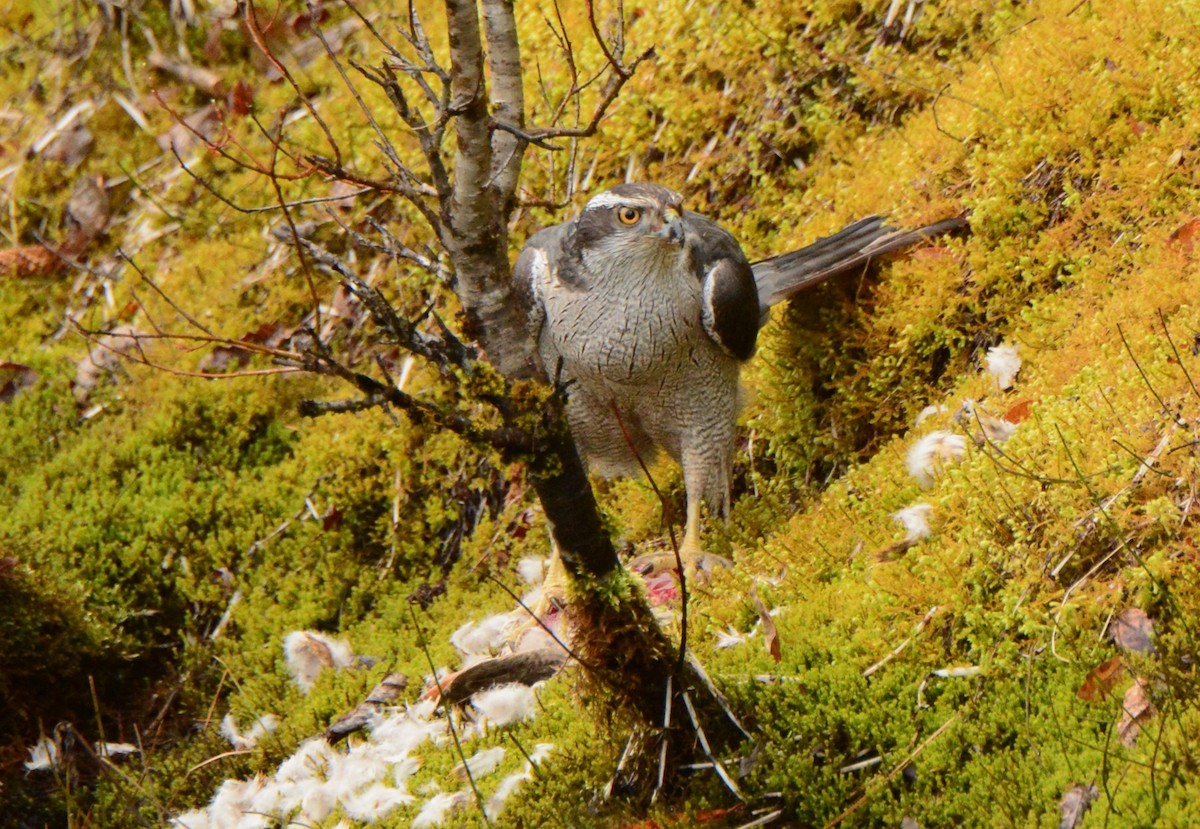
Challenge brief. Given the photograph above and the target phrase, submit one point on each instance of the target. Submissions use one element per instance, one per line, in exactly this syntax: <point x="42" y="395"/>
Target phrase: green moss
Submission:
<point x="1069" y="134"/>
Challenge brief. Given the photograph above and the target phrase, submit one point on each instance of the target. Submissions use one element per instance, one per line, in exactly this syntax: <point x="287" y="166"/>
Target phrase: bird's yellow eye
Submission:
<point x="629" y="215"/>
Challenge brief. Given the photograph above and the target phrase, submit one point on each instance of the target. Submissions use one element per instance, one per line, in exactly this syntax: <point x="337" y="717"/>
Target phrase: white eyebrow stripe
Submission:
<point x="608" y="199"/>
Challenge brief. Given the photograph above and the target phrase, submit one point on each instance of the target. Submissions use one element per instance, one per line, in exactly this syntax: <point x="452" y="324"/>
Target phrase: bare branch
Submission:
<point x="612" y="88"/>
<point x="385" y="143"/>
<point x="523" y="136"/>
<point x="510" y="441"/>
<point x="250" y="17"/>
<point x="316" y="408"/>
<point x="442" y="352"/>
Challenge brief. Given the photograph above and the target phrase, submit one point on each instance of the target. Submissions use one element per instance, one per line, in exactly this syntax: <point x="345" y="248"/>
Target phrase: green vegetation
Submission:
<point x="134" y="513"/>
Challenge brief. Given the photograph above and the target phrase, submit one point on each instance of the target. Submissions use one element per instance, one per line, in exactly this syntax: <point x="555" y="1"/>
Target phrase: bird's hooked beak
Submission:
<point x="672" y="228"/>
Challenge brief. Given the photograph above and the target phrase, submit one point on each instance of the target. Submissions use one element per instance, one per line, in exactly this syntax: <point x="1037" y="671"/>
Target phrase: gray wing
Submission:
<point x="783" y="276"/>
<point x="729" y="310"/>
<point x="535" y="268"/>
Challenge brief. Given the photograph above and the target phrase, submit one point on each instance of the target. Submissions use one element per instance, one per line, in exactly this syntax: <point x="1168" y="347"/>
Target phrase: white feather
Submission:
<point x="483" y="638"/>
<point x="437" y="809"/>
<point x="231" y="801"/>
<point x="262" y="726"/>
<point x="915" y="520"/>
<point x="272" y="799"/>
<point x="540" y="752"/>
<point x="506" y="704"/>
<point x="1003" y="363"/>
<point x="730" y="639"/>
<point x="532" y="570"/>
<point x="928" y="412"/>
<point x="508" y="785"/>
<point x="317" y="804"/>
<point x="376" y="802"/>
<point x="397" y="736"/>
<point x="307" y="653"/>
<point x="931" y="453"/>
<point x="195" y="819"/>
<point x="481" y="763"/>
<point x="405" y="770"/>
<point x="115" y="749"/>
<point x="422" y="710"/>
<point x="310" y="760"/>
<point x="44" y="755"/>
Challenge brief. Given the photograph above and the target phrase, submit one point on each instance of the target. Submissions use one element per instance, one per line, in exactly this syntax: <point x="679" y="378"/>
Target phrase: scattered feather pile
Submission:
<point x="476" y="641"/>
<point x="370" y="779"/>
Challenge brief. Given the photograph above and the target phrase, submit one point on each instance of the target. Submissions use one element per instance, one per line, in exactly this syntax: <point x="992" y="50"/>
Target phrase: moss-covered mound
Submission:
<point x="1026" y="658"/>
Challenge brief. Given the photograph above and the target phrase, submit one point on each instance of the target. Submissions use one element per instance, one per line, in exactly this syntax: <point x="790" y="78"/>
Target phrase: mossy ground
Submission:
<point x="1070" y="131"/>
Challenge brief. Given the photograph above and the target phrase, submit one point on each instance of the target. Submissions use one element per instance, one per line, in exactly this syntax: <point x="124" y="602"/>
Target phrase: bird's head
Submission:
<point x="633" y="218"/>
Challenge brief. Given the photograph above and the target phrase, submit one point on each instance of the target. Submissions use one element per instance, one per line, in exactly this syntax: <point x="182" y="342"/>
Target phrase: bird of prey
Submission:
<point x="644" y="312"/>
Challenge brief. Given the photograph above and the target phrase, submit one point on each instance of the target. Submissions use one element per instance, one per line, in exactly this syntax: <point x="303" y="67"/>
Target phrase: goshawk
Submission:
<point x="644" y="312"/>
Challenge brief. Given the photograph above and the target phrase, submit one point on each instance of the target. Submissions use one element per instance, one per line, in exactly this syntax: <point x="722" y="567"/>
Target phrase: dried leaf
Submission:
<point x="201" y="124"/>
<point x="205" y="80"/>
<point x="1185" y="235"/>
<point x="332" y="519"/>
<point x="1132" y="630"/>
<point x="88" y="206"/>
<point x="71" y="146"/>
<point x="30" y="261"/>
<point x="240" y="99"/>
<point x="103" y="357"/>
<point x="1019" y="412"/>
<point x="1100" y="680"/>
<point x="770" y="632"/>
<point x="223" y="358"/>
<point x="14" y="379"/>
<point x="1137" y="710"/>
<point x="1074" y="803"/>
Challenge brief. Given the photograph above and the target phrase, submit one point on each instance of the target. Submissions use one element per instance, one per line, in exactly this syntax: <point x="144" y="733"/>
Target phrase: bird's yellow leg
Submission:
<point x="554" y="586"/>
<point x="690" y="551"/>
<point x="553" y="593"/>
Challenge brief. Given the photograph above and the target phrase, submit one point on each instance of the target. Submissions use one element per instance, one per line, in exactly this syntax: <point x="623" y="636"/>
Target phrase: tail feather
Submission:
<point x="782" y="277"/>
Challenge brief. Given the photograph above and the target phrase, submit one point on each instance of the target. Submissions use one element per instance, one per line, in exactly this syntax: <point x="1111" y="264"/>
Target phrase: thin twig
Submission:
<point x="424" y="646"/>
<point x="708" y="752"/>
<point x="896" y="652"/>
<point x="666" y="509"/>
<point x="856" y="805"/>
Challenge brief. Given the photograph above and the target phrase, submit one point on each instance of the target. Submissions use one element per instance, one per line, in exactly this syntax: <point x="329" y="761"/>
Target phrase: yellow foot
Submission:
<point x="701" y="563"/>
<point x="542" y="624"/>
